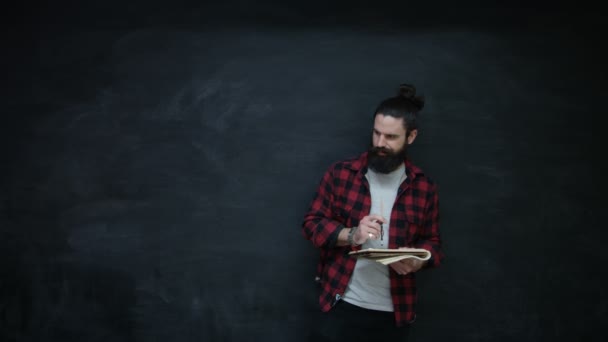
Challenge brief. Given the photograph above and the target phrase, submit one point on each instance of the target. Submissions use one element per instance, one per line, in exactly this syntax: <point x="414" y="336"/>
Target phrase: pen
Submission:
<point x="381" y="225"/>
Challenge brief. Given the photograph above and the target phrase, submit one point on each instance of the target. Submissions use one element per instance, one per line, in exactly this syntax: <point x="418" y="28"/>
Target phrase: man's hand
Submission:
<point x="369" y="228"/>
<point x="406" y="266"/>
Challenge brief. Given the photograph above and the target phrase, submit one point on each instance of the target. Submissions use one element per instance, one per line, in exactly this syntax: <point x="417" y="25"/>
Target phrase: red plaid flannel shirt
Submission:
<point x="342" y="200"/>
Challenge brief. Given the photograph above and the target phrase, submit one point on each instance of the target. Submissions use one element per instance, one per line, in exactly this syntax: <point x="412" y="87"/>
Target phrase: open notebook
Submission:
<point x="387" y="256"/>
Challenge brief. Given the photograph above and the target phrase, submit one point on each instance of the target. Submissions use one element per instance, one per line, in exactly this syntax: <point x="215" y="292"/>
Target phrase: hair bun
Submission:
<point x="409" y="92"/>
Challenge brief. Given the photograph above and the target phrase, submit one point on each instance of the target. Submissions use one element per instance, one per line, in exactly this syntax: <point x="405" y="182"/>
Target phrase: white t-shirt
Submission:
<point x="369" y="286"/>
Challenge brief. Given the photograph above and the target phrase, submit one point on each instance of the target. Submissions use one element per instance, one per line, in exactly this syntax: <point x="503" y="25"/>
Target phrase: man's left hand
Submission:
<point x="406" y="266"/>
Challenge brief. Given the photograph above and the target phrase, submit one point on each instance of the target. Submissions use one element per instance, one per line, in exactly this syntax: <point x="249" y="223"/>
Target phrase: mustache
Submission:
<point x="380" y="149"/>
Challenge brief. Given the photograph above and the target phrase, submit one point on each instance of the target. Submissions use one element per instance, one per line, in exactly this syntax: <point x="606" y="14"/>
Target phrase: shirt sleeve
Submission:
<point x="318" y="225"/>
<point x="431" y="239"/>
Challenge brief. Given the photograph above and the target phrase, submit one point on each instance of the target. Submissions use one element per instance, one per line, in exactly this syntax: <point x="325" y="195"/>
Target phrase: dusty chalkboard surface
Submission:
<point x="156" y="158"/>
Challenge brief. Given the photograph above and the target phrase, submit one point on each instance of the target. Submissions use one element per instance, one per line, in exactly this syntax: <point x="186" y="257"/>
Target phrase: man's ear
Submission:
<point x="412" y="136"/>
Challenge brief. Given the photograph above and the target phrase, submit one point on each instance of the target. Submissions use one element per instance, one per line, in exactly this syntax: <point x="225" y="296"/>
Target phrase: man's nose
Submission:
<point x="381" y="141"/>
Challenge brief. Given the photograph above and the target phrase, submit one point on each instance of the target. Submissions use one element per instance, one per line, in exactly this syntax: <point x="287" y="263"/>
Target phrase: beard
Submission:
<point x="387" y="162"/>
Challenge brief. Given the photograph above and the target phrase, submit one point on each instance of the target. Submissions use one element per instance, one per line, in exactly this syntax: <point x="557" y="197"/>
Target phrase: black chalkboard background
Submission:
<point x="158" y="157"/>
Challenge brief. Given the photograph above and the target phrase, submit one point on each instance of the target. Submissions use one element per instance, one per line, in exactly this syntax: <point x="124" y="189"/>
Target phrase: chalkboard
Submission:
<point x="158" y="160"/>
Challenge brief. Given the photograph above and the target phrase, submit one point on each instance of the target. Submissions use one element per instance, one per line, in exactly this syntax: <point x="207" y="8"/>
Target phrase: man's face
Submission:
<point x="389" y="143"/>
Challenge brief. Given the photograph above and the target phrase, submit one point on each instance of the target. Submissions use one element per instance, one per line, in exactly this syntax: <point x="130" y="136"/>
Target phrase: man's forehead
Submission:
<point x="388" y="124"/>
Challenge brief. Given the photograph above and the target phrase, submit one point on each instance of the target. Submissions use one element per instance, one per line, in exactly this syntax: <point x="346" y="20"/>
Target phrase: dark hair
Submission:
<point x="405" y="105"/>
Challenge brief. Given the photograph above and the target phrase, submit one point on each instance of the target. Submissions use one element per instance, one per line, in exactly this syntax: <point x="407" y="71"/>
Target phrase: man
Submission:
<point x="378" y="200"/>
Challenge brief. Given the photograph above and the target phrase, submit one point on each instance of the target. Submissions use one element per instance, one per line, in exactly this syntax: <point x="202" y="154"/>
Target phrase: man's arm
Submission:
<point x="323" y="230"/>
<point x="318" y="225"/>
<point x="430" y="238"/>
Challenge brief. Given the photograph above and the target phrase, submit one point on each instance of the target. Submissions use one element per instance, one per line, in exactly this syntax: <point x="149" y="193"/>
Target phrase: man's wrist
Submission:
<point x="351" y="236"/>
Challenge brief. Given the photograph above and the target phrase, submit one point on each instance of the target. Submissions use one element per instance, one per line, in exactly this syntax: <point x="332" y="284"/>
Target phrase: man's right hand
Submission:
<point x="369" y="228"/>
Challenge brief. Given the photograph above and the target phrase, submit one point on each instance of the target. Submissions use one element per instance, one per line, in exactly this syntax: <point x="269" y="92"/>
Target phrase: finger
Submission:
<point x="405" y="265"/>
<point x="369" y="227"/>
<point x="374" y="230"/>
<point x="376" y="217"/>
<point x="404" y="269"/>
<point x="377" y="224"/>
<point x="411" y="267"/>
<point x="399" y="269"/>
<point x="367" y="221"/>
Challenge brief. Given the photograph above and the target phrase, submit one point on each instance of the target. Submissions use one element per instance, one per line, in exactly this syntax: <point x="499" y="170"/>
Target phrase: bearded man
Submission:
<point x="378" y="200"/>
